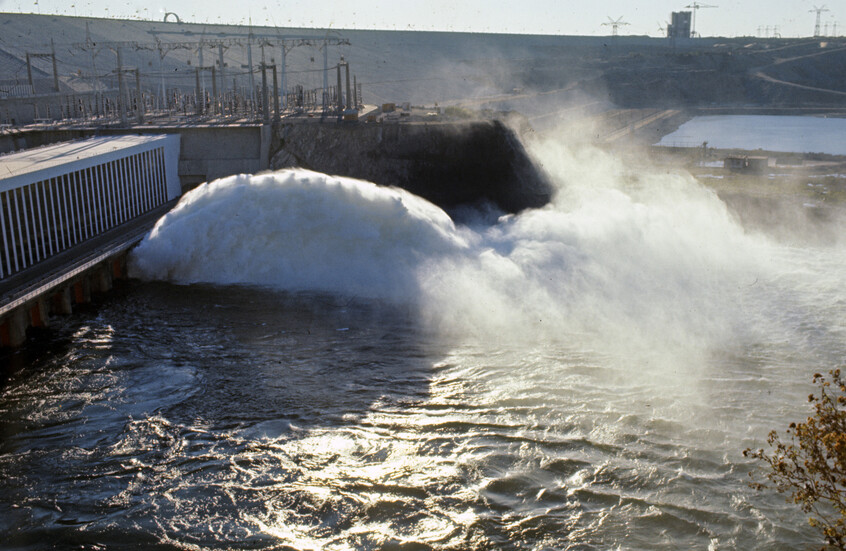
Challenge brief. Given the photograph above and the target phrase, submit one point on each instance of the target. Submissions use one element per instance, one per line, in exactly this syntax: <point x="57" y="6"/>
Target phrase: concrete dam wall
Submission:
<point x="449" y="164"/>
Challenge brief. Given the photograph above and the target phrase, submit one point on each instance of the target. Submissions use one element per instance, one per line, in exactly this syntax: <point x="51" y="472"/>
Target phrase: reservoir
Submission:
<point x="768" y="132"/>
<point x="310" y="362"/>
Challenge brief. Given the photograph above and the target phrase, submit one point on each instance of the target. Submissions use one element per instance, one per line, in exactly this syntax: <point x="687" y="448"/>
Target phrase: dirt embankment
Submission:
<point x="801" y="73"/>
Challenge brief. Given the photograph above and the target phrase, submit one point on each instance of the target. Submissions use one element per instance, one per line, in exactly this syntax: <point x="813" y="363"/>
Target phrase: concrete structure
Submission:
<point x="68" y="215"/>
<point x="745" y="163"/>
<point x="55" y="197"/>
<point x="450" y="163"/>
<point x="206" y="152"/>
<point x="679" y="26"/>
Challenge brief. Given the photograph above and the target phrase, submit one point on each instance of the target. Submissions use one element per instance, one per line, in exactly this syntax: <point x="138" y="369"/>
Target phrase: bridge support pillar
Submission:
<point x="119" y="267"/>
<point x="39" y="315"/>
<point x="61" y="301"/>
<point x="13" y="329"/>
<point x="101" y="280"/>
<point x="82" y="291"/>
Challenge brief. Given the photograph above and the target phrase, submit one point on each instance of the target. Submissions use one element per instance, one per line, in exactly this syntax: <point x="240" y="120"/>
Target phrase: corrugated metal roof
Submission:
<point x="77" y="154"/>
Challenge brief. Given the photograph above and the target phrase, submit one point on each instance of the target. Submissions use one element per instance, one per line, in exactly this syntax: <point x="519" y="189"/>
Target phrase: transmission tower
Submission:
<point x="695" y="7"/>
<point x="614" y="23"/>
<point x="819" y="12"/>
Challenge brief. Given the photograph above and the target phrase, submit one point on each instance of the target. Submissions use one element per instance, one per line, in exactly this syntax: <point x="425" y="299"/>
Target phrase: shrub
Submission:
<point x="810" y="464"/>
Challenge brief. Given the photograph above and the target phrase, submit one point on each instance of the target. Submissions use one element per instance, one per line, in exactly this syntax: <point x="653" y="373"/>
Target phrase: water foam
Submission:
<point x="298" y="230"/>
<point x="649" y="264"/>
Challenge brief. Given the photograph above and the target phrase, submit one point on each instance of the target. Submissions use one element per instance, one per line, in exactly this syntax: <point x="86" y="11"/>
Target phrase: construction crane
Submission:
<point x="819" y="12"/>
<point x="695" y="7"/>
<point x="614" y="23"/>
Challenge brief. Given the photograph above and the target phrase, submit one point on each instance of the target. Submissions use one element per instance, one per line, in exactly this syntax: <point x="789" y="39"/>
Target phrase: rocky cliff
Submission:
<point x="450" y="163"/>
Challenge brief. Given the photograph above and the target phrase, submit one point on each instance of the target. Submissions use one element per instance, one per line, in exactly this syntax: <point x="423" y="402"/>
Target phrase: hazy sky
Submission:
<point x="730" y="17"/>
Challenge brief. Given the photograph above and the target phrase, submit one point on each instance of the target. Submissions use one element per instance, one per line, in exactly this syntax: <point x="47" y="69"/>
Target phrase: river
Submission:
<point x="306" y="362"/>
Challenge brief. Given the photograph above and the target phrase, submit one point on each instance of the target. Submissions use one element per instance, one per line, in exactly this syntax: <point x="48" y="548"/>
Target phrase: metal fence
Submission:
<point x="45" y="217"/>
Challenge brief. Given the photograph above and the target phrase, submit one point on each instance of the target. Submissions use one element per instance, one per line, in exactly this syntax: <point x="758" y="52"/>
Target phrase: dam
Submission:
<point x="306" y="360"/>
<point x="60" y="197"/>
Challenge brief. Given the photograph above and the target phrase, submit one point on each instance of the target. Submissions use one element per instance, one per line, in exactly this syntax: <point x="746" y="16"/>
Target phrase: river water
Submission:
<point x="307" y="362"/>
<point x="766" y="132"/>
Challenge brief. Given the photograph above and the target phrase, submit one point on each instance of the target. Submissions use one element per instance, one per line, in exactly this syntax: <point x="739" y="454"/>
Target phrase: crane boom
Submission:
<point x="695" y="6"/>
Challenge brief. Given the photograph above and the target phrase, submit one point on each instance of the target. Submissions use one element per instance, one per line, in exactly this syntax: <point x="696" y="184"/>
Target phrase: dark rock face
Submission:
<point x="449" y="164"/>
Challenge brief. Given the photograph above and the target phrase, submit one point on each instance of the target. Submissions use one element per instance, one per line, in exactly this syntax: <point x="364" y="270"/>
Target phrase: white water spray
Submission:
<point x="299" y="230"/>
<point x="649" y="266"/>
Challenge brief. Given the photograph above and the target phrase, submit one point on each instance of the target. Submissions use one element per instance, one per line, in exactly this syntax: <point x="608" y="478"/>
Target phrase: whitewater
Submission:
<point x="308" y="361"/>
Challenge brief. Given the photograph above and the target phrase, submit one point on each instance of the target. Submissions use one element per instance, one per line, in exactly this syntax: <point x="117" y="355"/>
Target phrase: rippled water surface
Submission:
<point x="223" y="417"/>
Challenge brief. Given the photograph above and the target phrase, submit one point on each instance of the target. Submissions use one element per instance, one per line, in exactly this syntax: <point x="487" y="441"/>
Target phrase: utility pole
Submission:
<point x="217" y="103"/>
<point x="265" y="107"/>
<point x="276" y="114"/>
<point x="615" y="23"/>
<point x="121" y="90"/>
<point x="284" y="84"/>
<point x="139" y="106"/>
<point x="349" y="96"/>
<point x="52" y="55"/>
<point x="55" y="72"/>
<point x="29" y="73"/>
<point x="326" y="76"/>
<point x="250" y="63"/>
<point x="817" y="25"/>
<point x="198" y="91"/>
<point x="95" y="83"/>
<point x="340" y="92"/>
<point x="200" y="64"/>
<point x="222" y="65"/>
<point x="161" y="76"/>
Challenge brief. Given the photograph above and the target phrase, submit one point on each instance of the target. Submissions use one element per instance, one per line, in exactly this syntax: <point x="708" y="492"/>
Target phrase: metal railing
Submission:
<point x="46" y="217"/>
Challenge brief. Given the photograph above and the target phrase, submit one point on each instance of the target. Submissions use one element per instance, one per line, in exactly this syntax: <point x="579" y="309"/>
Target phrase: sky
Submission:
<point x="790" y="18"/>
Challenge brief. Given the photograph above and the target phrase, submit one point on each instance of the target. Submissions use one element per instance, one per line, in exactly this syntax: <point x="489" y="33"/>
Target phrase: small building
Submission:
<point x="745" y="163"/>
<point x="679" y="26"/>
<point x="350" y="115"/>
